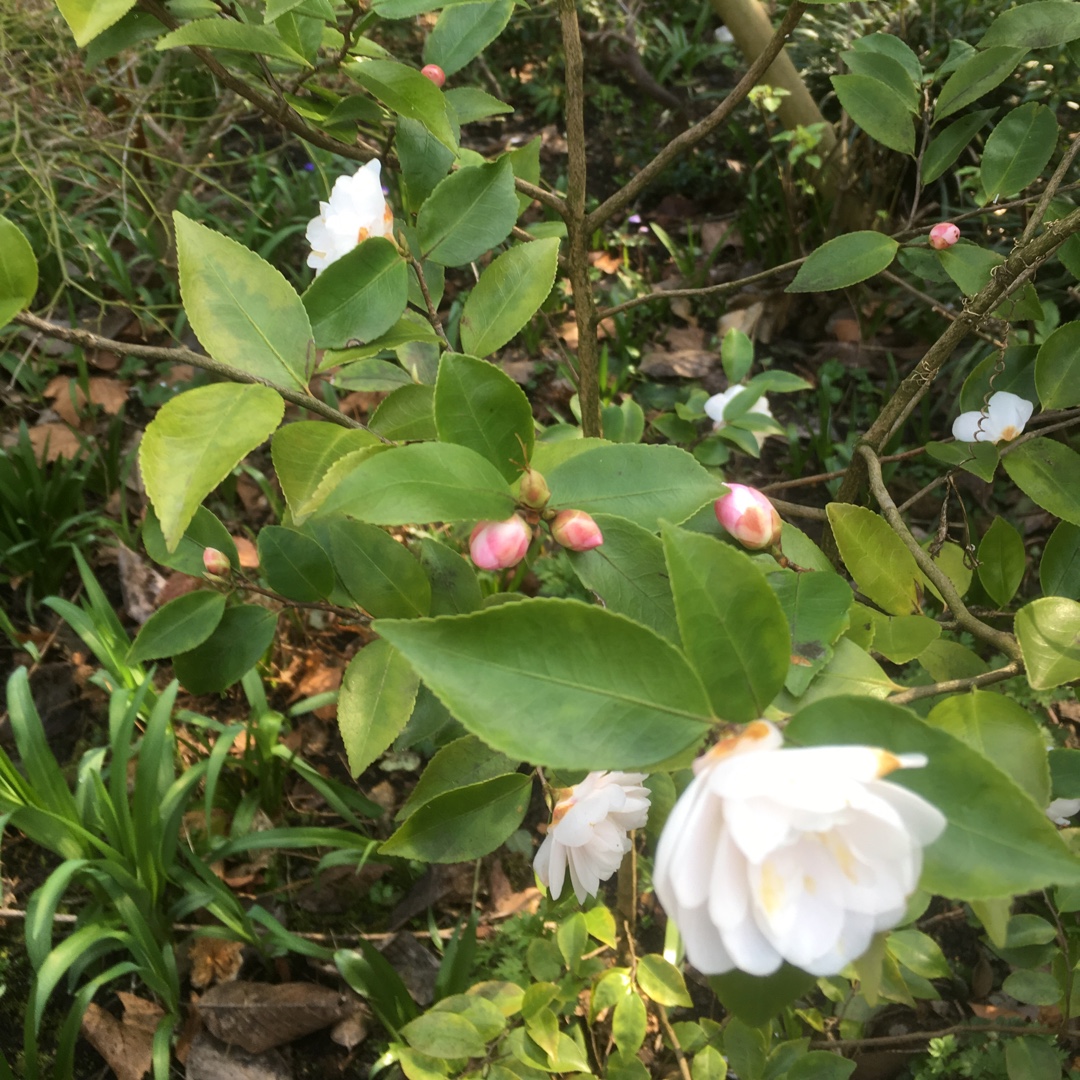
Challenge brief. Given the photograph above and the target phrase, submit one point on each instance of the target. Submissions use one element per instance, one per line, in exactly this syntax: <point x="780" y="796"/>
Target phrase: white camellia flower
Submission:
<point x="357" y="209"/>
<point x="715" y="406"/>
<point x="1002" y="420"/>
<point x="1061" y="810"/>
<point x="790" y="854"/>
<point x="588" y="831"/>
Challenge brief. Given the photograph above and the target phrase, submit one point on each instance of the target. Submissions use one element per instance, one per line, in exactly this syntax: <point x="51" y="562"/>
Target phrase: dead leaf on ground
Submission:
<point x="353" y="1030"/>
<point x="680" y="364"/>
<point x="258" y="1016"/>
<point x="69" y="397"/>
<point x="127" y="1044"/>
<point x="140" y="584"/>
<point x="178" y="584"/>
<point x="504" y="901"/>
<point x="335" y="890"/>
<point x="246" y="550"/>
<point x="717" y="233"/>
<point x="605" y="261"/>
<point x="52" y="441"/>
<point x="209" y="1059"/>
<point x="743" y="319"/>
<point x="214" y="960"/>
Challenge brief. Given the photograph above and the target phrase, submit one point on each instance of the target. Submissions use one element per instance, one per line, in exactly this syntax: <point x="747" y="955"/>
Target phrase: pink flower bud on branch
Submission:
<point x="749" y="516"/>
<point x="576" y="530"/>
<point x="944" y="235"/>
<point x="496" y="545"/>
<point x="216" y="563"/>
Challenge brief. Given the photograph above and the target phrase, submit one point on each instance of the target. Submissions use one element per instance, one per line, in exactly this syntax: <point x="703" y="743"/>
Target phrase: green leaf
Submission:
<point x="1002" y="732"/>
<point x="1018" y="149"/>
<point x="1041" y="24"/>
<point x="88" y="18"/>
<point x="464" y="761"/>
<point x="986" y="377"/>
<point x="404" y="90"/>
<point x="371" y="375"/>
<point x="1057" y="367"/>
<point x="644" y="483"/>
<point x="412" y="327"/>
<point x="611" y="694"/>
<point x="820" y="1065"/>
<point x="466" y="823"/>
<point x="662" y="981"/>
<point x="18" y="271"/>
<point x="377" y="697"/>
<point x="980" y="458"/>
<point x="525" y="161"/>
<point x="901" y="638"/>
<point x="421" y="483"/>
<point x="358" y="297"/>
<point x="196" y="440"/>
<point x="977" y="75"/>
<point x="850" y="670"/>
<point x="369" y="973"/>
<point x="294" y="564"/>
<point x="481" y="407"/>
<point x="969" y="266"/>
<point x="424" y="161"/>
<point x="946" y="660"/>
<point x="380" y="574"/>
<point x="463" y="31"/>
<point x="1046" y="471"/>
<point x="469" y="212"/>
<point x="627" y="571"/>
<point x="919" y="953"/>
<point x="886" y="70"/>
<point x="470" y="103"/>
<point x="733" y="629"/>
<point x="507" y="296"/>
<point x="628" y="1024"/>
<point x="816" y="606"/>
<point x="1049" y="634"/>
<point x="755" y="1000"/>
<point x="242" y="310"/>
<point x="444" y="1035"/>
<point x="879" y="111"/>
<point x="946" y="147"/>
<point x="892" y="46"/>
<point x="1065" y="774"/>
<point x="232" y="650"/>
<point x="876" y="558"/>
<point x="204" y="531"/>
<point x="1028" y="1057"/>
<point x="407" y="413"/>
<point x="454" y="587"/>
<point x="1059" y="569"/>
<point x="217" y="33"/>
<point x="1001" y="561"/>
<point x="179" y="626"/>
<point x="845" y="260"/>
<point x="997" y="843"/>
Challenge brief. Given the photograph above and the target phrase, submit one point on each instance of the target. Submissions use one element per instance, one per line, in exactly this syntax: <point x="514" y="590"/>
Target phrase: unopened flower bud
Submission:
<point x="749" y="516"/>
<point x="216" y="562"/>
<point x="533" y="492"/>
<point x="434" y="73"/>
<point x="495" y="545"/>
<point x="574" y="529"/>
<point x="944" y="235"/>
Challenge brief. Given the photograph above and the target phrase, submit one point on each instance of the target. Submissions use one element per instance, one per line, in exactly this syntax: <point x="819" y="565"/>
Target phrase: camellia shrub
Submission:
<point x="725" y="696"/>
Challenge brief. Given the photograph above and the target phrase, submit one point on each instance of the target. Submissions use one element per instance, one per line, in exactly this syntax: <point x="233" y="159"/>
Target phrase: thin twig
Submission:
<point x="1052" y="186"/>
<point x="821" y="478"/>
<point x="956" y="686"/>
<point x="935" y="305"/>
<point x="669" y="1031"/>
<point x="909" y="1037"/>
<point x="813" y="513"/>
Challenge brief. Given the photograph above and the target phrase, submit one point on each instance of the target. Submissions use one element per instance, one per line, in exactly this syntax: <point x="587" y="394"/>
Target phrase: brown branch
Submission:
<point x="1051" y="189"/>
<point x="814" y="513"/>
<point x="955" y="686"/>
<point x="669" y="1031"/>
<point x="909" y="1037"/>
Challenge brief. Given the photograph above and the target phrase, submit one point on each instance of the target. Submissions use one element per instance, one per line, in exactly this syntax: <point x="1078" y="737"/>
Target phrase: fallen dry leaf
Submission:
<point x="605" y="262"/>
<point x="249" y="556"/>
<point x="353" y="1030"/>
<point x="682" y="364"/>
<point x="127" y="1044"/>
<point x="140" y="584"/>
<point x="214" y="960"/>
<point x="504" y="901"/>
<point x="52" y="441"/>
<point x="69" y="398"/>
<point x="258" y="1016"/>
<point x="209" y="1059"/>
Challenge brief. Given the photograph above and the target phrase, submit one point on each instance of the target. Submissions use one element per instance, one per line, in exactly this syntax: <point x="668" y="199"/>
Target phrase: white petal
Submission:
<point x="704" y="946"/>
<point x="715" y="406"/>
<point x="970" y="427"/>
<point x="1008" y="414"/>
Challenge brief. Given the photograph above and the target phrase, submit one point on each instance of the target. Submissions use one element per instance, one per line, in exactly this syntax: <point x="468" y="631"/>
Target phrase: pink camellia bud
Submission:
<point x="574" y="529"/>
<point x="495" y="545"/>
<point x="434" y="73"/>
<point x="216" y="562"/>
<point x="749" y="517"/>
<point x="533" y="492"/>
<point x="944" y="235"/>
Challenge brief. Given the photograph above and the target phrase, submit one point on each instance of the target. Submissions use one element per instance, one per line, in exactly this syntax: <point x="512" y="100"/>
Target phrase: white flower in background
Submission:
<point x="1002" y="420"/>
<point x="588" y="831"/>
<point x="357" y="209"/>
<point x="715" y="406"/>
<point x="799" y="855"/>
<point x="1060" y="810"/>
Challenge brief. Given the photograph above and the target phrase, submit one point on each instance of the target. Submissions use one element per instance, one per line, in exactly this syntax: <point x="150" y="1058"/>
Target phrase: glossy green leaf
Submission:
<point x="444" y="1035"/>
<point x="1057" y="368"/>
<point x="369" y="973"/>
<point x="479" y="406"/>
<point x="627" y="571"/>
<point x="1001" y="561"/>
<point x="464" y="761"/>
<point x="732" y="626"/>
<point x="525" y="161"/>
<point x="919" y="953"/>
<point x="407" y="413"/>
<point x="661" y="981"/>
<point x="411" y="328"/>
<point x="380" y="574"/>
<point x="470" y="103"/>
<point x="88" y="18"/>
<point x="901" y="638"/>
<point x="196" y="440"/>
<point x="1018" y="149"/>
<point x="708" y="1064"/>
<point x="977" y="75"/>
<point x="1002" y="732"/>
<point x="1038" y="24"/>
<point x="756" y="1000"/>
<point x="359" y="296"/>
<point x="204" y="531"/>
<point x="646" y="484"/>
<point x="876" y="558"/>
<point x="886" y="70"/>
<point x="18" y="271"/>
<point x="180" y="625"/>
<point x="816" y="606"/>
<point x="969" y="266"/>
<point x="1030" y="1058"/>
<point x="375" y="703"/>
<point x="946" y="147"/>
<point x="845" y="260"/>
<point x="371" y="375"/>
<point x="850" y="670"/>
<point x="294" y="564"/>
<point x="980" y="458"/>
<point x="404" y="90"/>
<point x="424" y="161"/>
<point x="463" y="31"/>
<point x="508" y="294"/>
<point x="628" y="1024"/>
<point x="946" y="660"/>
<point x="468" y="213"/>
<point x="1049" y="634"/>
<point x="230" y="652"/>
<point x="878" y="110"/>
<point x="218" y="33"/>
<point x="421" y="483"/>
<point x="1046" y="470"/>
<point x="894" y="47"/>
<point x="454" y="586"/>
<point x="613" y="695"/>
<point x="242" y="310"/>
<point x="1059" y="569"/>
<point x="997" y="843"/>
<point x="466" y="823"/>
<point x="1065" y="773"/>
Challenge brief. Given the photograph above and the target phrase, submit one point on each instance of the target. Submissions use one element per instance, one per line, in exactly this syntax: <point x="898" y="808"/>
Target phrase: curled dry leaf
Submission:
<point x="214" y="960"/>
<point x="258" y="1016"/>
<point x="52" y="441"/>
<point x="126" y="1044"/>
<point x="69" y="398"/>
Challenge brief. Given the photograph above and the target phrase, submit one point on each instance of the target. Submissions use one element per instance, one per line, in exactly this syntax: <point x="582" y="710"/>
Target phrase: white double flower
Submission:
<point x="356" y="210"/>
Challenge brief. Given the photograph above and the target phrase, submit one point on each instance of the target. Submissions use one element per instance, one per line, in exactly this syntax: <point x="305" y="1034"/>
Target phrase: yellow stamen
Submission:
<point x="772" y="889"/>
<point x="362" y="235"/>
